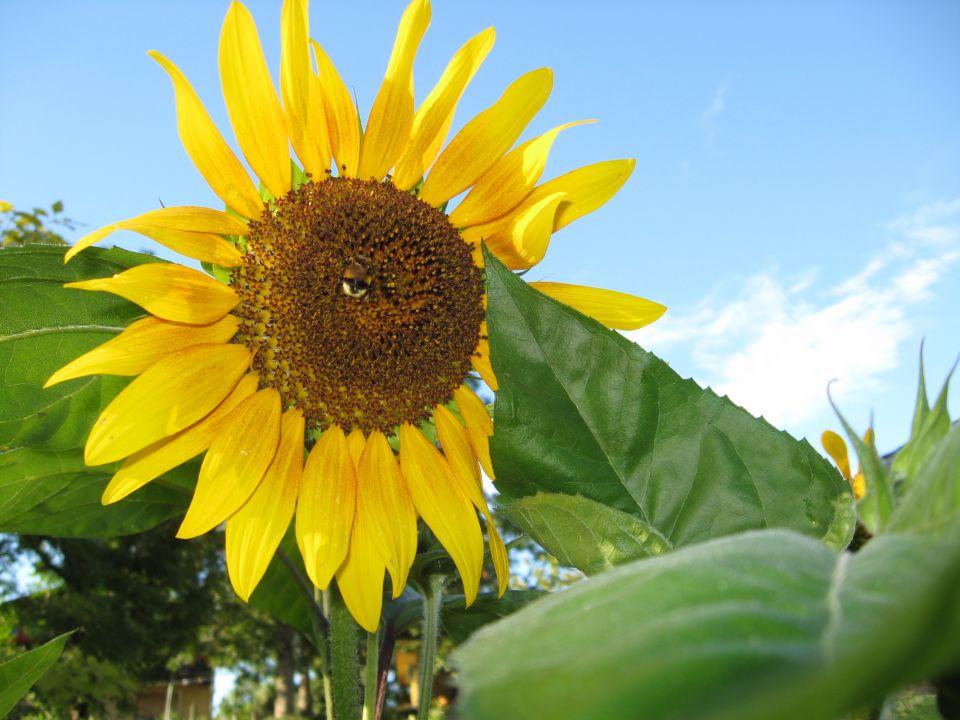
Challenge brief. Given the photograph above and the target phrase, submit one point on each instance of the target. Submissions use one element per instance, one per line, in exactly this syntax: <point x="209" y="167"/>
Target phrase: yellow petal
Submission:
<point x="141" y="344"/>
<point x="169" y="396"/>
<point x="355" y="442"/>
<point x="519" y="240"/>
<point x="483" y="140"/>
<point x="154" y="460"/>
<point x="438" y="500"/>
<point x="208" y="150"/>
<point x="169" y="291"/>
<point x="235" y="463"/>
<point x="360" y="577"/>
<point x="479" y="425"/>
<point x="587" y="188"/>
<point x="383" y="498"/>
<point x="508" y="182"/>
<point x="252" y="101"/>
<point x="191" y="231"/>
<point x="609" y="307"/>
<point x="859" y="485"/>
<point x="463" y="463"/>
<point x="342" y="120"/>
<point x="837" y="449"/>
<point x="434" y="117"/>
<point x="302" y="103"/>
<point x="391" y="117"/>
<point x="480" y="361"/>
<point x="325" y="511"/>
<point x="255" y="531"/>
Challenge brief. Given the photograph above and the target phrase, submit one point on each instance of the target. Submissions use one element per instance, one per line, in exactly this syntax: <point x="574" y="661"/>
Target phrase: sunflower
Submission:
<point x="347" y="310"/>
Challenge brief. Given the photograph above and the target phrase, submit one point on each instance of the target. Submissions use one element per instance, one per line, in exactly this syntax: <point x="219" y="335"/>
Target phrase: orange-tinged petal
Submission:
<point x="463" y="463"/>
<point x="434" y="117"/>
<point x="483" y="140"/>
<point x="169" y="291"/>
<point x="254" y="532"/>
<point x="519" y="240"/>
<point x="300" y="90"/>
<point x="508" y="182"/>
<point x="481" y="361"/>
<point x="181" y="223"/>
<point x="383" y="499"/>
<point x="169" y="396"/>
<point x="208" y="150"/>
<point x="837" y="449"/>
<point x="448" y="513"/>
<point x="479" y="425"/>
<point x="609" y="307"/>
<point x="343" y="122"/>
<point x="360" y="576"/>
<point x="587" y="188"/>
<point x="235" y="463"/>
<point x="391" y="117"/>
<point x="252" y="101"/>
<point x="141" y="344"/>
<point x="325" y="511"/>
<point x="154" y="460"/>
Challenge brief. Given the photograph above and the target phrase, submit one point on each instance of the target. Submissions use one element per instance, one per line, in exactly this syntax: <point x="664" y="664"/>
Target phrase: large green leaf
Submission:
<point x="42" y="327"/>
<point x="44" y="492"/>
<point x="766" y="624"/>
<point x="18" y="675"/>
<point x="583" y="411"/>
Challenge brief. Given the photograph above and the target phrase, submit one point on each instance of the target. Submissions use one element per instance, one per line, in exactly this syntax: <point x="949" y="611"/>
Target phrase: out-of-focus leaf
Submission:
<point x="583" y="411"/>
<point x="43" y="492"/>
<point x="18" y="675"/>
<point x="766" y="624"/>
<point x="584" y="533"/>
<point x="932" y="500"/>
<point x="42" y="327"/>
<point x="461" y="622"/>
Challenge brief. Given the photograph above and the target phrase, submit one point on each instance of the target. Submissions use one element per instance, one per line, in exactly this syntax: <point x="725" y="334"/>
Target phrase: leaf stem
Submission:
<point x="433" y="595"/>
<point x="370" y="676"/>
<point x="345" y="669"/>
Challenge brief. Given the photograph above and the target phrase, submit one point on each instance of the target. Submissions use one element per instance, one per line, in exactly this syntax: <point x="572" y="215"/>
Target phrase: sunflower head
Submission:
<point x="353" y="311"/>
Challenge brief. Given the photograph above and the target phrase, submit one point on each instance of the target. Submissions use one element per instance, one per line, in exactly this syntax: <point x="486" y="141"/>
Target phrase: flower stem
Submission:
<point x="325" y="654"/>
<point x="370" y="677"/>
<point x="344" y="657"/>
<point x="433" y="595"/>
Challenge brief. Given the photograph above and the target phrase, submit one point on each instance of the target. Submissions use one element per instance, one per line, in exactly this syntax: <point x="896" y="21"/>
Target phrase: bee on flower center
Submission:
<point x="357" y="276"/>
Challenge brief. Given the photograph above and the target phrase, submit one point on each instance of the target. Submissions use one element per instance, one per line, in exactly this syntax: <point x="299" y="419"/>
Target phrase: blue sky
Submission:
<point x="796" y="202"/>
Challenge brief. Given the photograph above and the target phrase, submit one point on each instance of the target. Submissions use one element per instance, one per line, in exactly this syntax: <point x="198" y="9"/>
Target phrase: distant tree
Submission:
<point x="34" y="227"/>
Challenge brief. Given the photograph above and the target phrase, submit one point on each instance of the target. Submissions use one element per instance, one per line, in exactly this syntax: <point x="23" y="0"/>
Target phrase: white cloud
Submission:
<point x="775" y="346"/>
<point x="718" y="103"/>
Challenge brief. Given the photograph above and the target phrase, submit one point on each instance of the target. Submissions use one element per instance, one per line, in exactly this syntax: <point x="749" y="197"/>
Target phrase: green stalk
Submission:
<point x="344" y="658"/>
<point x="428" y="644"/>
<point x="325" y="665"/>
<point x="370" y="676"/>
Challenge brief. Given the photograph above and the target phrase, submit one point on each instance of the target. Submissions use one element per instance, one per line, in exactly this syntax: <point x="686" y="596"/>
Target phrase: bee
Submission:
<point x="357" y="276"/>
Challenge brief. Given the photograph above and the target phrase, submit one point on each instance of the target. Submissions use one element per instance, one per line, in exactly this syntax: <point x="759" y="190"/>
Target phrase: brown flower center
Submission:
<point x="361" y="302"/>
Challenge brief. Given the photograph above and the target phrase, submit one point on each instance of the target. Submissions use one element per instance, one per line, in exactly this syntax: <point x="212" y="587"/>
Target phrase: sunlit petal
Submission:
<point x="391" y="117"/>
<point x="252" y="101"/>
<point x="608" y="307"/>
<point x="235" y="463"/>
<point x="837" y="449"/>
<point x="170" y="395"/>
<point x="479" y="425"/>
<point x="341" y="114"/>
<point x="255" y="531"/>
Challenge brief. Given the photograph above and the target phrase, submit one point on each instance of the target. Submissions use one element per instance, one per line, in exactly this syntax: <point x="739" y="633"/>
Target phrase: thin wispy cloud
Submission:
<point x="718" y="103"/>
<point x="775" y="344"/>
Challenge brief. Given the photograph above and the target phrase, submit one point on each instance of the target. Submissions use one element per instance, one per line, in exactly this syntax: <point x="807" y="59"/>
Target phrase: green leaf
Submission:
<point x="43" y="326"/>
<point x="932" y="500"/>
<point x="602" y="536"/>
<point x="929" y="428"/>
<point x="766" y="624"/>
<point x="54" y="493"/>
<point x="461" y="622"/>
<point x="283" y="591"/>
<point x="583" y="411"/>
<point x="18" y="675"/>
